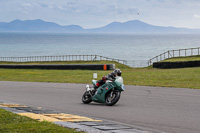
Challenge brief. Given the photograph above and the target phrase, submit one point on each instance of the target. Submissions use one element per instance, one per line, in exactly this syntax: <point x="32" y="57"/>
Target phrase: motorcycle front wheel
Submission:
<point x="86" y="98"/>
<point x="112" y="99"/>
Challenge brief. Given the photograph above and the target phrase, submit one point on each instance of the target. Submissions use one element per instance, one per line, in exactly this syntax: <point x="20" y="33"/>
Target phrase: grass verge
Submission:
<point x="13" y="123"/>
<point x="184" y="77"/>
<point x="187" y="58"/>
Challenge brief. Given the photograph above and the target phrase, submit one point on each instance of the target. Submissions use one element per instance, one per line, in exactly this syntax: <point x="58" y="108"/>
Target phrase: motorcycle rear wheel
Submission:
<point x="86" y="98"/>
<point x="114" y="99"/>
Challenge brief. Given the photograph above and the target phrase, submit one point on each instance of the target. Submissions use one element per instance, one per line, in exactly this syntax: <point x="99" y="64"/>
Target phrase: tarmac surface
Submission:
<point x="140" y="108"/>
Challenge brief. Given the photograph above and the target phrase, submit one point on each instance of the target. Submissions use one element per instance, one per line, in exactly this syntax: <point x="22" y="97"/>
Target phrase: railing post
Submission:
<point x="191" y="51"/>
<point x="185" y="52"/>
<point x="95" y="57"/>
<point x="168" y="54"/>
<point x="160" y="57"/>
<point x="164" y="56"/>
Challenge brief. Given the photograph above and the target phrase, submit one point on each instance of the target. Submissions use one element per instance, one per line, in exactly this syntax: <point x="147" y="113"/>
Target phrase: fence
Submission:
<point x="60" y="58"/>
<point x="175" y="53"/>
<point x="137" y="63"/>
<point x="132" y="63"/>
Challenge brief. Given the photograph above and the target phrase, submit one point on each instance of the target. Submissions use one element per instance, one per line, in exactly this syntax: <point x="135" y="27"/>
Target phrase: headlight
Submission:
<point x="87" y="88"/>
<point x="123" y="87"/>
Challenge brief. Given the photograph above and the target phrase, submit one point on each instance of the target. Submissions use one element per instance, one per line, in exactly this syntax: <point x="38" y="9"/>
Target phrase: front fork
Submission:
<point x="90" y="90"/>
<point x="111" y="94"/>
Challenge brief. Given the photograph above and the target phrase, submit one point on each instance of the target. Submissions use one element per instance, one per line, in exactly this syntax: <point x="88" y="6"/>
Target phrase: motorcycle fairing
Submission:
<point x="101" y="92"/>
<point x="94" y="82"/>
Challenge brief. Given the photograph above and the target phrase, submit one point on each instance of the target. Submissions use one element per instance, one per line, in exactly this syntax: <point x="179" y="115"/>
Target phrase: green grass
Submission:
<point x="9" y="122"/>
<point x="184" y="77"/>
<point x="61" y="62"/>
<point x="187" y="58"/>
<point x="13" y="123"/>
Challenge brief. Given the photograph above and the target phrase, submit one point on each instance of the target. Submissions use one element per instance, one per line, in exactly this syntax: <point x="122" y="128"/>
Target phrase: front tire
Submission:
<point x="86" y="98"/>
<point x="111" y="100"/>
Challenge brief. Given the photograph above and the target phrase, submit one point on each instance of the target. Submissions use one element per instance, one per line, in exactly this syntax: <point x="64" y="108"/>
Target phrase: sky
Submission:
<point x="98" y="13"/>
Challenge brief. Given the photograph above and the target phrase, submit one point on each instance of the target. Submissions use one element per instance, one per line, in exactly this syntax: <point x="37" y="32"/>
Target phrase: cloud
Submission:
<point x="196" y="16"/>
<point x="90" y="13"/>
<point x="25" y="4"/>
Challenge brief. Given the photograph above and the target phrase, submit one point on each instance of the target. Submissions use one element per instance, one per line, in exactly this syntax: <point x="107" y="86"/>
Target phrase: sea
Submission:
<point x="137" y="49"/>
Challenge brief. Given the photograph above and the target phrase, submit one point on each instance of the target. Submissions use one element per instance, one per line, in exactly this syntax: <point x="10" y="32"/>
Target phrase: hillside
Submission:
<point x="136" y="26"/>
<point x="37" y="26"/>
<point x="133" y="26"/>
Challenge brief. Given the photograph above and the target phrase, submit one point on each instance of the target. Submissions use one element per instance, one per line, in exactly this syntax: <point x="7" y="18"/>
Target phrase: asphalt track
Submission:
<point x="174" y="110"/>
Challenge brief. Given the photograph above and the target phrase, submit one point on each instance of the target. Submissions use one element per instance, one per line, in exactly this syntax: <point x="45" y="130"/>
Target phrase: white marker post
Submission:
<point x="95" y="75"/>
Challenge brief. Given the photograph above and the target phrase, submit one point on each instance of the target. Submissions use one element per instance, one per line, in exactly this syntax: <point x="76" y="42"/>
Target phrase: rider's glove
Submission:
<point x="104" y="78"/>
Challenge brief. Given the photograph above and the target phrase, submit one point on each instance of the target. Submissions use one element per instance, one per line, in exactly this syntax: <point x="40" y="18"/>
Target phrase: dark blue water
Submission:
<point x="127" y="47"/>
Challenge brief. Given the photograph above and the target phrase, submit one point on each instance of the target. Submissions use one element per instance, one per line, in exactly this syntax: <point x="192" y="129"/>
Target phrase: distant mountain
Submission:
<point x="37" y="26"/>
<point x="134" y="26"/>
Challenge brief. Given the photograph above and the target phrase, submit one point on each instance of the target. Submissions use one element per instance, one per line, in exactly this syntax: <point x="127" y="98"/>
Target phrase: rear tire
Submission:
<point x="86" y="98"/>
<point x="114" y="99"/>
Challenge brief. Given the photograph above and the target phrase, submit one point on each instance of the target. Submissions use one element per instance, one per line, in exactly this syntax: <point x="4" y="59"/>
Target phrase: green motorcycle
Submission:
<point x="108" y="93"/>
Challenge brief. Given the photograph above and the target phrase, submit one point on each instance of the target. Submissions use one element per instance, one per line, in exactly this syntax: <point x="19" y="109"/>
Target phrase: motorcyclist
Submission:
<point x="111" y="76"/>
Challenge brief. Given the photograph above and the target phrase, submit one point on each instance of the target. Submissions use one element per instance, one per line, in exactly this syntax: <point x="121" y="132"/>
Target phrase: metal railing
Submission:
<point x="175" y="53"/>
<point x="60" y="58"/>
<point x="131" y="63"/>
<point x="137" y="63"/>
